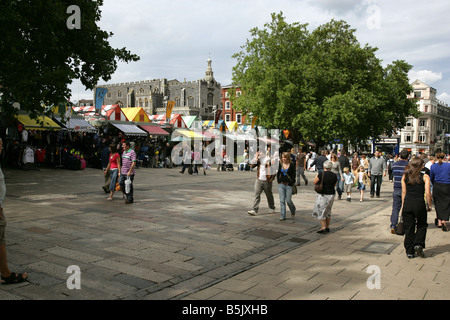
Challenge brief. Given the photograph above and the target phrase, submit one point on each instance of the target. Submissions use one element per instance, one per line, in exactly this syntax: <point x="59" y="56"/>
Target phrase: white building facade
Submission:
<point x="426" y="134"/>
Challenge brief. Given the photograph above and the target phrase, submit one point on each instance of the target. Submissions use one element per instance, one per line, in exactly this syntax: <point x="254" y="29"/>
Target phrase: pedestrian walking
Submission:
<point x="286" y="180"/>
<point x="398" y="170"/>
<point x="127" y="171"/>
<point x="364" y="162"/>
<point x="363" y="180"/>
<point x="187" y="161"/>
<point x="337" y="170"/>
<point x="377" y="169"/>
<point x="105" y="162"/>
<point x="414" y="185"/>
<point x="300" y="167"/>
<point x="389" y="164"/>
<point x="325" y="197"/>
<point x="113" y="169"/>
<point x="320" y="160"/>
<point x="263" y="182"/>
<point x="355" y="163"/>
<point x="440" y="178"/>
<point x="7" y="277"/>
<point x="349" y="180"/>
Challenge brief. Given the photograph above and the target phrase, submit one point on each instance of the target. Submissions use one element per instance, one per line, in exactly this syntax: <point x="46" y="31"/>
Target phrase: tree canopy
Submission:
<point x="323" y="84"/>
<point x="41" y="53"/>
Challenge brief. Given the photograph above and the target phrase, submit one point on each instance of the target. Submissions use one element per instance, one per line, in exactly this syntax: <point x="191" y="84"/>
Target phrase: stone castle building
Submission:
<point x="192" y="98"/>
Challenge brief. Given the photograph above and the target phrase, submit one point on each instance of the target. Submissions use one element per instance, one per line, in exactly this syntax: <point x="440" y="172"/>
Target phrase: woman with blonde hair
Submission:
<point x="286" y="181"/>
<point x="440" y="178"/>
<point x="414" y="185"/>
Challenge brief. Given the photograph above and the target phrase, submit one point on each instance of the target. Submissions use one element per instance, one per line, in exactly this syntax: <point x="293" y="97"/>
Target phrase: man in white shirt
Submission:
<point x="263" y="182"/>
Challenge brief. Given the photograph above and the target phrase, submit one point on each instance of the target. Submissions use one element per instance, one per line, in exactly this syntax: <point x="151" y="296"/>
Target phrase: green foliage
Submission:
<point x="322" y="84"/>
<point x="40" y="56"/>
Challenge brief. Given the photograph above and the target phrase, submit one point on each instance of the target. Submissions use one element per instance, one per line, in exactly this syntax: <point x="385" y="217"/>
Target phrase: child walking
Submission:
<point x="363" y="179"/>
<point x="349" y="178"/>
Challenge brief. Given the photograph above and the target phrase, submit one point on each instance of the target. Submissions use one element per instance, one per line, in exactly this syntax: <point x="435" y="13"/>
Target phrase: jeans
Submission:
<point x="285" y="193"/>
<point x="375" y="179"/>
<point x="396" y="206"/>
<point x="301" y="172"/>
<point x="339" y="184"/>
<point x="260" y="186"/>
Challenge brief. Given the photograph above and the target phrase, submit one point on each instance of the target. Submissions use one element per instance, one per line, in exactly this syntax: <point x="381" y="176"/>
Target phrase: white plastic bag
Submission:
<point x="128" y="185"/>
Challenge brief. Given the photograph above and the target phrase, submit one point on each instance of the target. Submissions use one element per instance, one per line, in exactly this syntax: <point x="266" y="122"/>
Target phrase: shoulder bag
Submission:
<point x="319" y="187"/>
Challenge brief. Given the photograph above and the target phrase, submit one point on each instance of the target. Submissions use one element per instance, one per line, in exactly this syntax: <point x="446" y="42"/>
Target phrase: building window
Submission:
<point x="239" y="118"/>
<point x="141" y="104"/>
<point x="119" y="94"/>
<point x="227" y="95"/>
<point x="422" y="123"/>
<point x="177" y="102"/>
<point x="108" y="95"/>
<point x="227" y="117"/>
<point x="238" y="93"/>
<point x="191" y="102"/>
<point x="417" y="94"/>
<point x="210" y="100"/>
<point x="422" y="138"/>
<point x="227" y="105"/>
<point x="407" y="137"/>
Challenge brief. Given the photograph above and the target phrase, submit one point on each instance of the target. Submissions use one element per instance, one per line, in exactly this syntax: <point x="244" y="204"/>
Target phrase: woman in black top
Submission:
<point x="286" y="179"/>
<point x="325" y="199"/>
<point x="414" y="185"/>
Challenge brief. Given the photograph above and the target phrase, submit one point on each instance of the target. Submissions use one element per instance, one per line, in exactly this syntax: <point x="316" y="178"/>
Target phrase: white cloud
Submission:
<point x="445" y="97"/>
<point x="427" y="76"/>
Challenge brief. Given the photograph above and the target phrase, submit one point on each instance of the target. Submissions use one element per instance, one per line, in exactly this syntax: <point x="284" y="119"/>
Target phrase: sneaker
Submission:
<point x="272" y="210"/>
<point x="419" y="251"/>
<point x="410" y="256"/>
<point x="252" y="212"/>
<point x="282" y="219"/>
<point x="392" y="230"/>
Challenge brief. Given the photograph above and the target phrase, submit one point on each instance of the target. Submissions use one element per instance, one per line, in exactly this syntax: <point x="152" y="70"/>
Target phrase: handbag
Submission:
<point x="319" y="187"/>
<point x="117" y="186"/>
<point x="294" y="189"/>
<point x="400" y="228"/>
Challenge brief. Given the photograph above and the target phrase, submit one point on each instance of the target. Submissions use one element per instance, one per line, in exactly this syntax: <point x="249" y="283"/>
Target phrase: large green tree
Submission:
<point x="323" y="84"/>
<point x="45" y="45"/>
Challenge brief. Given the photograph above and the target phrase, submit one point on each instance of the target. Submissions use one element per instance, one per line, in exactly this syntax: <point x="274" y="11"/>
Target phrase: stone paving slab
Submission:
<point x="189" y="237"/>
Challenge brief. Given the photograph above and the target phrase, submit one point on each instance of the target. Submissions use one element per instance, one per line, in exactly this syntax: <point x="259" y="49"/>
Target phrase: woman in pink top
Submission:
<point x="114" y="167"/>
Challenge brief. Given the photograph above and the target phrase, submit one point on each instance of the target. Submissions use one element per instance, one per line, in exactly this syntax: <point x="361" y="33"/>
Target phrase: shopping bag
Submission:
<point x="128" y="185"/>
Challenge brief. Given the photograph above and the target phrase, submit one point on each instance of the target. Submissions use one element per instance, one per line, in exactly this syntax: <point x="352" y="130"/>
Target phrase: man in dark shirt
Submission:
<point x="398" y="169"/>
<point x="301" y="167"/>
<point x="319" y="161"/>
<point x="345" y="163"/>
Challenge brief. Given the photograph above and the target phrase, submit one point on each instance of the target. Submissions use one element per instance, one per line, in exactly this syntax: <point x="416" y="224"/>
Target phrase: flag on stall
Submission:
<point x="170" y="105"/>
<point x="100" y="94"/>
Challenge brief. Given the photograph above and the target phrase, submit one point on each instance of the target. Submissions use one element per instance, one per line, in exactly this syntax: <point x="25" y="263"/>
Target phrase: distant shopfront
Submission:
<point x="386" y="145"/>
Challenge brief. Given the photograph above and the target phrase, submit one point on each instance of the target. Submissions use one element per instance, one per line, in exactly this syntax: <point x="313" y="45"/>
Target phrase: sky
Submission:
<point x="175" y="38"/>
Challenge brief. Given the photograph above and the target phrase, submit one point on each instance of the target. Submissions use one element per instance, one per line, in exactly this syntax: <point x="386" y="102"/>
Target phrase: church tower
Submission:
<point x="209" y="73"/>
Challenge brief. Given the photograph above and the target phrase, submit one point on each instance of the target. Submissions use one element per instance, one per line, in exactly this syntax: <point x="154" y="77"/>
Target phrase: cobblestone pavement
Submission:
<point x="190" y="237"/>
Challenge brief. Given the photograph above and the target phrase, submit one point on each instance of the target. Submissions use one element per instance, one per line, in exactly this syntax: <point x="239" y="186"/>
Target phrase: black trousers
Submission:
<point x="129" y="195"/>
<point x="415" y="223"/>
<point x="375" y="179"/>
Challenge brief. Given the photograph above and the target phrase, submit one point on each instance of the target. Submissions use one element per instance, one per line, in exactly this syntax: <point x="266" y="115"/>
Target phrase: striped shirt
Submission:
<point x="128" y="157"/>
<point x="398" y="170"/>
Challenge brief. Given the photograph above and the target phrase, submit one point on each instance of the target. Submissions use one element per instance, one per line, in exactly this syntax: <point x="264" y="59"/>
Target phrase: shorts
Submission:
<point x="348" y="188"/>
<point x="2" y="229"/>
<point x="361" y="186"/>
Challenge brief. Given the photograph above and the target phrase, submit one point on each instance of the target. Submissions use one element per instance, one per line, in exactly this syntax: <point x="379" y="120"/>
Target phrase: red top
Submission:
<point x="113" y="161"/>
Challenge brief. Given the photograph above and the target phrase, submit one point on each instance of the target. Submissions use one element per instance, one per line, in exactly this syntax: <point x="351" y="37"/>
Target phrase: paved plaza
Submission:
<point x="190" y="238"/>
